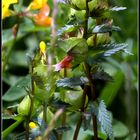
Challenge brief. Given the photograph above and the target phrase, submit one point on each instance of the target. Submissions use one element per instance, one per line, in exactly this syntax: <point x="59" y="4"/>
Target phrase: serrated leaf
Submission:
<point x="116" y="48"/>
<point x="105" y="120"/>
<point x="66" y="29"/>
<point x="18" y="90"/>
<point x="69" y="82"/>
<point x="102" y="75"/>
<point x="105" y="28"/>
<point x="57" y="103"/>
<point x="98" y="54"/>
<point x="116" y="8"/>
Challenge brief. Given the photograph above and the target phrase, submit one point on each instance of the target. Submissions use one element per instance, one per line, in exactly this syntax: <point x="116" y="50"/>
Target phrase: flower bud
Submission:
<point x="24" y="106"/>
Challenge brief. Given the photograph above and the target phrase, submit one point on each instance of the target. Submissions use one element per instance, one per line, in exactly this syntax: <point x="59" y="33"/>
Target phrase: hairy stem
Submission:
<point x="31" y="95"/>
<point x="45" y="112"/>
<point x="81" y="117"/>
<point x="88" y="73"/>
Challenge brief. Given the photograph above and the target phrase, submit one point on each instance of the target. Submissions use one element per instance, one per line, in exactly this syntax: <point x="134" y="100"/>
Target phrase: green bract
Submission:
<point x="101" y="38"/>
<point x="24" y="106"/>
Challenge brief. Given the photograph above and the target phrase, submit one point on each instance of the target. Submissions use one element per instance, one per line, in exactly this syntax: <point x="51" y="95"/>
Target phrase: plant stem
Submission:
<point x="31" y="106"/>
<point x="87" y="69"/>
<point x="81" y="117"/>
<point x="77" y="128"/>
<point x="45" y="112"/>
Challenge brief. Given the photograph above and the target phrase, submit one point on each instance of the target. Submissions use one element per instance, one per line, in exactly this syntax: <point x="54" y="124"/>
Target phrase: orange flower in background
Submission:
<point x="65" y="63"/>
<point x="42" y="18"/>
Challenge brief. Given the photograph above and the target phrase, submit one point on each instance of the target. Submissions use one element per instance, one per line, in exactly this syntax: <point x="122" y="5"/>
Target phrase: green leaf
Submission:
<point x="18" y="90"/>
<point x="119" y="129"/>
<point x="98" y="108"/>
<point x="98" y="54"/>
<point x="115" y="48"/>
<point x="110" y="91"/>
<point x="102" y="75"/>
<point x="105" y="28"/>
<point x="57" y="103"/>
<point x="105" y="119"/>
<point x="72" y="97"/>
<point x="68" y="44"/>
<point x="24" y="29"/>
<point x="7" y="36"/>
<point x="45" y="82"/>
<point x="117" y="8"/>
<point x="18" y="59"/>
<point x="7" y="117"/>
<point x="70" y="82"/>
<point x="66" y="29"/>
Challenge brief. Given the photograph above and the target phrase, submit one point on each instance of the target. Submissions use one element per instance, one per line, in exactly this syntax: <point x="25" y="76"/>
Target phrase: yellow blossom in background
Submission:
<point x="42" y="47"/>
<point x="36" y="4"/>
<point x="5" y="7"/>
<point x="32" y="125"/>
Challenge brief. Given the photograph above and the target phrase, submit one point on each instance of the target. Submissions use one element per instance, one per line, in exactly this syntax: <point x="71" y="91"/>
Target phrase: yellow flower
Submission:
<point x="36" y="4"/>
<point x="32" y="125"/>
<point x="42" y="47"/>
<point x="5" y="7"/>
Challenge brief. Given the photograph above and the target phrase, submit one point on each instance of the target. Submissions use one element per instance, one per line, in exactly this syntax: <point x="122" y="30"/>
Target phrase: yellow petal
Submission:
<point x="5" y="7"/>
<point x="8" y="2"/>
<point x="5" y="12"/>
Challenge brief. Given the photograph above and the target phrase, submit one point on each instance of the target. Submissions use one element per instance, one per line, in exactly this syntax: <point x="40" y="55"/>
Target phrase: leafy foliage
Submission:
<point x="104" y="119"/>
<point x="18" y="90"/>
<point x="65" y="82"/>
<point x="70" y="82"/>
<point x="105" y="28"/>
